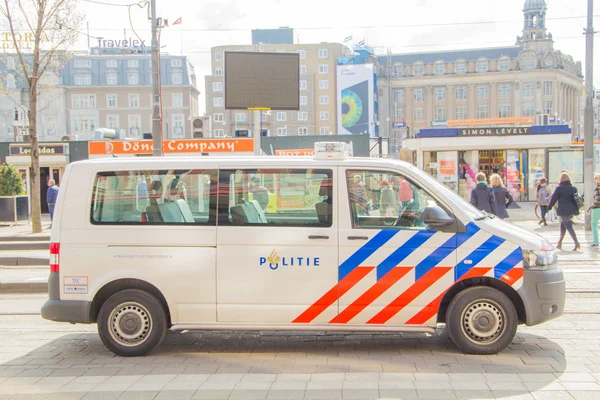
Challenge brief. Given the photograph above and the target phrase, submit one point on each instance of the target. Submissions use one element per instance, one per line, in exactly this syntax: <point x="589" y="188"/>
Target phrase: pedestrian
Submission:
<point x="51" y="196"/>
<point x="501" y="196"/>
<point x="359" y="198"/>
<point x="259" y="192"/>
<point x="542" y="194"/>
<point x="387" y="203"/>
<point x="564" y="195"/>
<point x="405" y="193"/>
<point x="482" y="197"/>
<point x="595" y="209"/>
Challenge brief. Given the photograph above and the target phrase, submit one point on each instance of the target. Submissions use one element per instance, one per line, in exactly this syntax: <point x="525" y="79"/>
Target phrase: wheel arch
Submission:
<point x="484" y="281"/>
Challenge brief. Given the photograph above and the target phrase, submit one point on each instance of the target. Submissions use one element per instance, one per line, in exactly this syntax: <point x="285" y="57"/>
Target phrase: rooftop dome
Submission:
<point x="534" y="5"/>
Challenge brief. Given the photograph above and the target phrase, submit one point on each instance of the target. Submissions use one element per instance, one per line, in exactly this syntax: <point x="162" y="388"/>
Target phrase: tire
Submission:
<point x="146" y="321"/>
<point x="481" y="304"/>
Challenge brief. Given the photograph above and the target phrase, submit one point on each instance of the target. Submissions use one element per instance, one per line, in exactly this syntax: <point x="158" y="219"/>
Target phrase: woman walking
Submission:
<point x="564" y="195"/>
<point x="542" y="194"/>
<point x="387" y="203"/>
<point x="501" y="195"/>
<point x="481" y="196"/>
<point x="595" y="208"/>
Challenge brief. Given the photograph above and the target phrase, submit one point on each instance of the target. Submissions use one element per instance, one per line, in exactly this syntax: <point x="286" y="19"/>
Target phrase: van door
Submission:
<point x="395" y="267"/>
<point x="276" y="243"/>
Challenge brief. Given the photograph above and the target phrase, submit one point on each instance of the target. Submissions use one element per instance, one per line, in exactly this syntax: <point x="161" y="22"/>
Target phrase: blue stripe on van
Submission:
<point x="365" y="252"/>
<point x="476" y="256"/>
<point x="402" y="252"/>
<point x="508" y="263"/>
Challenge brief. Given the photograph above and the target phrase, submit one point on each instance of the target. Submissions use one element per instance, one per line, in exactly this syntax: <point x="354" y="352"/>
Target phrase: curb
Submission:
<point x="25" y="238"/>
<point x="24" y="261"/>
<point x="24" y="245"/>
<point x="23" y="287"/>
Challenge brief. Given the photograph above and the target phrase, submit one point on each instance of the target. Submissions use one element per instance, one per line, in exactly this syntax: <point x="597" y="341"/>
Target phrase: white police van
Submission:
<point x="142" y="246"/>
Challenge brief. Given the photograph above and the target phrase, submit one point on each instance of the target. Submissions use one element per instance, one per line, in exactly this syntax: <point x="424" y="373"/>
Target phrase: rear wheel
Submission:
<point x="132" y="323"/>
<point x="481" y="320"/>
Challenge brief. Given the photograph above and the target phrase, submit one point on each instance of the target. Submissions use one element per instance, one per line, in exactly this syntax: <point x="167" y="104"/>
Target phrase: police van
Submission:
<point x="141" y="246"/>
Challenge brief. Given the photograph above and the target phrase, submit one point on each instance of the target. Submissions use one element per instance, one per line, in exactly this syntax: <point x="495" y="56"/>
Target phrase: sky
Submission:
<point x="406" y="26"/>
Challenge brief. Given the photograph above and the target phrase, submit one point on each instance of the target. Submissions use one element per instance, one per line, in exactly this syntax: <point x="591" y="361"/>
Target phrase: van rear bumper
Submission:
<point x="67" y="311"/>
<point x="543" y="294"/>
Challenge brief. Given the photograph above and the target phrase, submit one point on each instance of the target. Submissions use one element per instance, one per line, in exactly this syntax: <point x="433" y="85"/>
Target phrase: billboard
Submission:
<point x="356" y="99"/>
<point x="262" y="81"/>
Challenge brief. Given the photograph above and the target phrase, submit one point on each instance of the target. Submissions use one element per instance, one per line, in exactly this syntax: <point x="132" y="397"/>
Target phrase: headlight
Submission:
<point x="539" y="260"/>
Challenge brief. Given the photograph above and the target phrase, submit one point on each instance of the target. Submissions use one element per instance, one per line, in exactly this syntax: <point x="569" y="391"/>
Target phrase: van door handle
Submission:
<point x="318" y="237"/>
<point x="358" y="238"/>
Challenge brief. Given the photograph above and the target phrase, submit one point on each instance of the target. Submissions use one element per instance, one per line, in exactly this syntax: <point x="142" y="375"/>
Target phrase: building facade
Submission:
<point x="318" y="101"/>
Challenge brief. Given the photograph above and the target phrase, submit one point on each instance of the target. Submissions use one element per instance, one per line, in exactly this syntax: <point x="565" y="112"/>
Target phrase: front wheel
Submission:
<point x="481" y="320"/>
<point x="132" y="323"/>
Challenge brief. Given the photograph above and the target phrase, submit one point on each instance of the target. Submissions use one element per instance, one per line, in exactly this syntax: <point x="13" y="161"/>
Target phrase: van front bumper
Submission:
<point x="67" y="311"/>
<point x="543" y="294"/>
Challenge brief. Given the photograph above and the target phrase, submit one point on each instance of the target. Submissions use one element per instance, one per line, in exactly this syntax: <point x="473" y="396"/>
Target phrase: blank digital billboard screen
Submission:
<point x="262" y="80"/>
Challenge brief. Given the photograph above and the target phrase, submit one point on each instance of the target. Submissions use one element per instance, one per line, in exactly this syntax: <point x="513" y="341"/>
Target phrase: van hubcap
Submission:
<point x="483" y="321"/>
<point x="130" y="324"/>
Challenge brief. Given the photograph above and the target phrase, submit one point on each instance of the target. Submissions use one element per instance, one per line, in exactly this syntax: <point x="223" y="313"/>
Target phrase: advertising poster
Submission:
<point x="356" y="103"/>
<point x="446" y="168"/>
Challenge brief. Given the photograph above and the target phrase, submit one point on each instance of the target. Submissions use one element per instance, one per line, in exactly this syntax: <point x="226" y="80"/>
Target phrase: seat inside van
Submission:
<point x="248" y="213"/>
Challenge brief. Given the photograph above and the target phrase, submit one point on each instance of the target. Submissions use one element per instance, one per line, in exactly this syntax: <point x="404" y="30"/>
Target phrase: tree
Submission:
<point x="11" y="183"/>
<point x="38" y="31"/>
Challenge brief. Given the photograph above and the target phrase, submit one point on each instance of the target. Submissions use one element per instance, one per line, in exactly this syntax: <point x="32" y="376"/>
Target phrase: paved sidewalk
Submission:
<point x="23" y="230"/>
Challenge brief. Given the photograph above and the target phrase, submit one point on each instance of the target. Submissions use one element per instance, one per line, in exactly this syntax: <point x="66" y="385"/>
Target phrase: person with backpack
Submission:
<point x="482" y="197"/>
<point x="501" y="196"/>
<point x="543" y="193"/>
<point x="566" y="196"/>
<point x="595" y="209"/>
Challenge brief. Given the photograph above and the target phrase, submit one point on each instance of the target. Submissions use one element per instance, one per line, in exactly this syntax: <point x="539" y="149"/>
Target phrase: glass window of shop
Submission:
<point x="566" y="159"/>
<point x="468" y="166"/>
<point x="443" y="166"/>
<point x="537" y="170"/>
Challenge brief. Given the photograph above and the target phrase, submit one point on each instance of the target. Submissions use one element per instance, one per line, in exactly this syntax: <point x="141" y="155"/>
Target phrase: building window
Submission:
<point x="419" y="114"/>
<point x="527" y="64"/>
<point x="324" y="130"/>
<point x="240" y="117"/>
<point x="112" y="78"/>
<point x="439" y="93"/>
<point x="218" y="71"/>
<point x="460" y="67"/>
<point x="323" y="68"/>
<point x="528" y="89"/>
<point x="281" y="131"/>
<point x="302" y="116"/>
<point x="218" y="102"/>
<point x="177" y="100"/>
<point x="303" y="131"/>
<point x="218" y="117"/>
<point x="418" y="69"/>
<point x="504" y="64"/>
<point x="134" y="100"/>
<point x="303" y="69"/>
<point x="133" y="78"/>
<point x="483" y="92"/>
<point x="84" y="124"/>
<point x="323" y="100"/>
<point x="547" y="106"/>
<point x="419" y="94"/>
<point x="135" y="125"/>
<point x="504" y="91"/>
<point x="83" y="79"/>
<point x="217" y="86"/>
<point x="439" y="68"/>
<point x="528" y="109"/>
<point x="461" y="111"/>
<point x="111" y="63"/>
<point x="303" y="85"/>
<point x="281" y="116"/>
<point x="83" y="63"/>
<point x="323" y="53"/>
<point x="176" y="62"/>
<point x="112" y="121"/>
<point x="176" y="78"/>
<point x="324" y="84"/>
<point x="218" y="133"/>
<point x="504" y="110"/>
<point x="111" y="101"/>
<point x="483" y="111"/>
<point x="302" y="54"/>
<point x="399" y="117"/>
<point x="303" y="100"/>
<point x="398" y="95"/>
<point x="398" y="70"/>
<point x="324" y="115"/>
<point x="178" y="130"/>
<point x="482" y="66"/>
<point x="461" y="92"/>
<point x="132" y="64"/>
<point x="217" y="56"/>
<point x="439" y="114"/>
<point x="10" y="63"/>
<point x="547" y="88"/>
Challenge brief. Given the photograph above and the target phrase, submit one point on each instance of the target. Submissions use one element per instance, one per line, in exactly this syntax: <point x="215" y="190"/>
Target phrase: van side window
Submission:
<point x="161" y="197"/>
<point x="276" y="197"/>
<point x="386" y="200"/>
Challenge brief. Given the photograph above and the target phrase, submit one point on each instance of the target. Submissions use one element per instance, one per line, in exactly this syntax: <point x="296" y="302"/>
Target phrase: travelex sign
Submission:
<point x="121" y="43"/>
<point x="495" y="131"/>
<point x="274" y="261"/>
<point x="135" y="147"/>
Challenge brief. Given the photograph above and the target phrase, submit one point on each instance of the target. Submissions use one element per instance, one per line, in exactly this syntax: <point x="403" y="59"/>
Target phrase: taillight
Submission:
<point x="54" y="257"/>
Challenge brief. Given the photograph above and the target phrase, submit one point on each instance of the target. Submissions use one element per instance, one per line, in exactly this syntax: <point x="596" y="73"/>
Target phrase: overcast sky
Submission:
<point x="443" y="24"/>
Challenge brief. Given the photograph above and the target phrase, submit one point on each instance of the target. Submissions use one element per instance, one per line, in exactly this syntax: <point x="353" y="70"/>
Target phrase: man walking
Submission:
<point x="51" y="196"/>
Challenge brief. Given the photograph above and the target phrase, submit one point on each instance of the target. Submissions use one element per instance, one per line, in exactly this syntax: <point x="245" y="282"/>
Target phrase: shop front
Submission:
<point x="520" y="155"/>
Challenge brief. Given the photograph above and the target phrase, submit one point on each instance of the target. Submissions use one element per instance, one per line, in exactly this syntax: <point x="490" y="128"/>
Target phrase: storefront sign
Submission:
<point x="44" y="149"/>
<point x="491" y="121"/>
<point x="295" y="152"/>
<point x="140" y="147"/>
<point x="495" y="131"/>
<point x="438" y="123"/>
<point x="25" y="41"/>
<point x="121" y="43"/>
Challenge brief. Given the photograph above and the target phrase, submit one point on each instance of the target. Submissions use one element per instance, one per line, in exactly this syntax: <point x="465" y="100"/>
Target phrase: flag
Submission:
<point x="177" y="21"/>
<point x="349" y="38"/>
<point x="361" y="42"/>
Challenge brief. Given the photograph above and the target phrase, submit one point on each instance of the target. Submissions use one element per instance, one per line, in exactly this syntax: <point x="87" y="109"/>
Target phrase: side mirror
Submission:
<point x="436" y="216"/>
